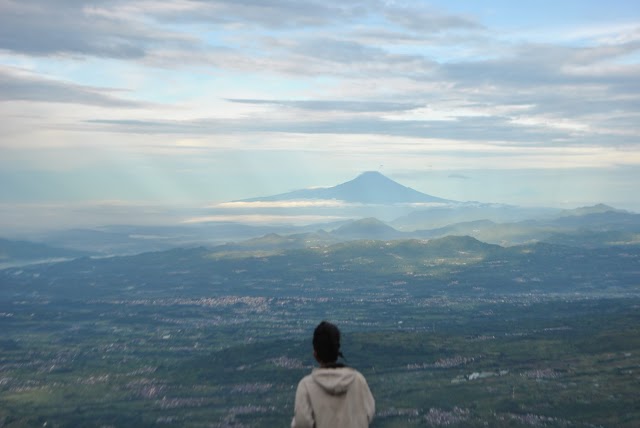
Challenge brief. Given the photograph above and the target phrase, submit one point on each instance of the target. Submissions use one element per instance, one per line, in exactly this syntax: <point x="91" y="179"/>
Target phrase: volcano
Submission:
<point x="370" y="187"/>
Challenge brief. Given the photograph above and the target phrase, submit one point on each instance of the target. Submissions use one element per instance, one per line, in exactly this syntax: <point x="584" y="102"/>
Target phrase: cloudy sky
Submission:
<point x="151" y="103"/>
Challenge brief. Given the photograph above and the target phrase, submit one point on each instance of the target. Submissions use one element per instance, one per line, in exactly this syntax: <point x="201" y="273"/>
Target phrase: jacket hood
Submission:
<point x="334" y="381"/>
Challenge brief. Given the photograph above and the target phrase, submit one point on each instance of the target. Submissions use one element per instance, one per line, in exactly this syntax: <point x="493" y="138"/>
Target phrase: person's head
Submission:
<point x="326" y="343"/>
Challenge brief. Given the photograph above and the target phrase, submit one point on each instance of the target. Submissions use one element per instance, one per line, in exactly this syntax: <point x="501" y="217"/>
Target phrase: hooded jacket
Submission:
<point x="333" y="398"/>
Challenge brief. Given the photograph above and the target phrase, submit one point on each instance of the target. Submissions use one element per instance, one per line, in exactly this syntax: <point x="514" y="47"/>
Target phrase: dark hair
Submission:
<point x="326" y="342"/>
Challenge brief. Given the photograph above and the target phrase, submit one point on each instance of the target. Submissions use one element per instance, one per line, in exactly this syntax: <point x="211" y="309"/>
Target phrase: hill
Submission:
<point x="439" y="217"/>
<point x="594" y="209"/>
<point x="364" y="266"/>
<point x="367" y="228"/>
<point x="12" y="252"/>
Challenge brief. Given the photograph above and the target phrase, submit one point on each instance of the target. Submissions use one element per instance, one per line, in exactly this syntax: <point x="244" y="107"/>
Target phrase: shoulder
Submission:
<point x="360" y="379"/>
<point x="305" y="380"/>
<point x="353" y="373"/>
<point x="358" y="375"/>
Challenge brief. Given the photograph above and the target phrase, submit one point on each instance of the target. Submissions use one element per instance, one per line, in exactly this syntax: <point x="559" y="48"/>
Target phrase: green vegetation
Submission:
<point x="553" y="363"/>
<point x="451" y="332"/>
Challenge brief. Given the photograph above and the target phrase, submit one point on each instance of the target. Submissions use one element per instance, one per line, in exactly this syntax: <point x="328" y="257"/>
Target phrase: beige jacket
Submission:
<point x="333" y="398"/>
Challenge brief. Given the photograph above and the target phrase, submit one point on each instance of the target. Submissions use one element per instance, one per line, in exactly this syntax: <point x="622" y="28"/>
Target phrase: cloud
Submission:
<point x="373" y="106"/>
<point x="20" y="217"/>
<point x="168" y="33"/>
<point x="408" y="144"/>
<point x="264" y="219"/>
<point x="79" y="28"/>
<point x="285" y="15"/>
<point x="532" y="66"/>
<point x="429" y="20"/>
<point x="320" y="203"/>
<point x="331" y="55"/>
<point x="18" y="85"/>
<point x="467" y="128"/>
<point x="138" y="29"/>
<point x="344" y="82"/>
<point x="340" y="51"/>
<point x="273" y="14"/>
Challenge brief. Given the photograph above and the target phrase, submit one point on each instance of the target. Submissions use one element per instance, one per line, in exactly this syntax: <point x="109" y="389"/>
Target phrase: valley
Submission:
<point x="449" y="332"/>
<point x="234" y="361"/>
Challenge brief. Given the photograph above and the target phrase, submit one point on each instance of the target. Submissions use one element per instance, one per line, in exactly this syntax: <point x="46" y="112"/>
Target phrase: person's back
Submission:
<point x="332" y="396"/>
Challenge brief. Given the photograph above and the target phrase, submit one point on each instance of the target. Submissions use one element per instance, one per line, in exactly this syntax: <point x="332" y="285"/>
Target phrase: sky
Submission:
<point x="115" y="107"/>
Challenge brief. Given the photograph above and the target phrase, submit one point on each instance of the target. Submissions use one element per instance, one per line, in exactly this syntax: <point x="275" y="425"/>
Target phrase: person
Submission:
<point x="333" y="395"/>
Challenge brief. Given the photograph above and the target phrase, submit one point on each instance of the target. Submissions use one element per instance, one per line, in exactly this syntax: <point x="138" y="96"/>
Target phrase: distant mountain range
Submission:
<point x="370" y="187"/>
<point x="444" y="266"/>
<point x="377" y="208"/>
<point x="20" y="252"/>
<point x="594" y="209"/>
<point x="587" y="227"/>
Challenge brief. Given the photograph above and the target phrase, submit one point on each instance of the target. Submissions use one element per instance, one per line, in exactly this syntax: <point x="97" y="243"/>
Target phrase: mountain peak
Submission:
<point x="371" y="174"/>
<point x="372" y="178"/>
<point x="376" y="188"/>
